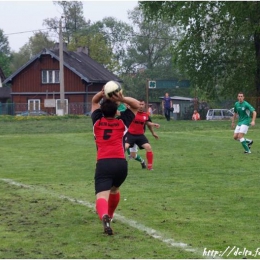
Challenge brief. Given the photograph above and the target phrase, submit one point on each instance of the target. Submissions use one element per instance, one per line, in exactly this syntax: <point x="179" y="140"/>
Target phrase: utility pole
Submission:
<point x="62" y="96"/>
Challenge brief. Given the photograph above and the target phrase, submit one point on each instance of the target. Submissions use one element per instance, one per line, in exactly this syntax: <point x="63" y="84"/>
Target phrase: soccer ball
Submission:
<point x="112" y="87"/>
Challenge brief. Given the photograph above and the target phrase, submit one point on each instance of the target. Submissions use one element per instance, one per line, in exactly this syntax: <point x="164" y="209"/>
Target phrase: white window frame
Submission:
<point x="58" y="107"/>
<point x="36" y="104"/>
<point x="50" y="76"/>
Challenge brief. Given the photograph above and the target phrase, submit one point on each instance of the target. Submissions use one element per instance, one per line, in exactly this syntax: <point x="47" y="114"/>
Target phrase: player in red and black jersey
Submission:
<point x="111" y="167"/>
<point x="135" y="134"/>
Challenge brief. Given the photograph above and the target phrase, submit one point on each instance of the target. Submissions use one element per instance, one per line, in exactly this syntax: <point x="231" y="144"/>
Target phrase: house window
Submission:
<point x="50" y="76"/>
<point x="34" y="104"/>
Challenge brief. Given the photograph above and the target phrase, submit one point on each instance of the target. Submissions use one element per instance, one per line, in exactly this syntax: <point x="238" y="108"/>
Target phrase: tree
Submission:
<point x="99" y="49"/>
<point x="5" y="54"/>
<point x="36" y="44"/>
<point x="149" y="52"/>
<point x="39" y="41"/>
<point x="220" y="48"/>
<point x="117" y="35"/>
<point x="79" y="33"/>
<point x="72" y="16"/>
<point x="107" y="41"/>
<point x="20" y="57"/>
<point x="150" y="45"/>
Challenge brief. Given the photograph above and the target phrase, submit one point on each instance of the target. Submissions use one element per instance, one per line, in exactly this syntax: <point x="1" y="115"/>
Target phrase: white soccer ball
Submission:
<point x="112" y="87"/>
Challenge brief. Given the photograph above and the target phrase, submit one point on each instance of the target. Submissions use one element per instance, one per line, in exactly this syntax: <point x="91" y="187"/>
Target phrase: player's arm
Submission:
<point x="149" y="123"/>
<point x="96" y="99"/>
<point x="132" y="103"/>
<point x="233" y="120"/>
<point x="150" y="126"/>
<point x="253" y="118"/>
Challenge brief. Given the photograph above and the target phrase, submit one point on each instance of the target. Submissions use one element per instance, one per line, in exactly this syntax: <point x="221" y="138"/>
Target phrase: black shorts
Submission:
<point x="109" y="173"/>
<point x="136" y="139"/>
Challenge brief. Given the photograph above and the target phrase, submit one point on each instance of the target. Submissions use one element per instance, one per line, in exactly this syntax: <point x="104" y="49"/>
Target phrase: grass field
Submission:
<point x="201" y="199"/>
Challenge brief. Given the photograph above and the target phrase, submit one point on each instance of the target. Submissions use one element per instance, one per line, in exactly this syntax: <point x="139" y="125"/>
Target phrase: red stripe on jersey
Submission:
<point x="137" y="127"/>
<point x="109" y="135"/>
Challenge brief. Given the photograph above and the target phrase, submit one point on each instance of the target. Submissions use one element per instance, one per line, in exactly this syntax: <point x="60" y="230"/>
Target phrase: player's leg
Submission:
<point x="129" y="142"/>
<point x="143" y="143"/>
<point x="236" y="132"/>
<point x="149" y="155"/>
<point x="249" y="142"/>
<point x="120" y="173"/>
<point x="244" y="144"/>
<point x="243" y="130"/>
<point x="133" y="151"/>
<point x="103" y="184"/>
<point x="102" y="210"/>
<point x="237" y="136"/>
<point x="113" y="201"/>
<point x="102" y="203"/>
<point x="128" y="153"/>
<point x="127" y="148"/>
<point x="136" y="156"/>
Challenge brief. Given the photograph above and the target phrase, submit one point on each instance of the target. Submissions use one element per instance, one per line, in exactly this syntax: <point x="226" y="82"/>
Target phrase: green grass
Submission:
<point x="203" y="192"/>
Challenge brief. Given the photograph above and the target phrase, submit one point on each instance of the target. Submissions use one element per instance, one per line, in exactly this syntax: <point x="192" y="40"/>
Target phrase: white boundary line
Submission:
<point x="151" y="232"/>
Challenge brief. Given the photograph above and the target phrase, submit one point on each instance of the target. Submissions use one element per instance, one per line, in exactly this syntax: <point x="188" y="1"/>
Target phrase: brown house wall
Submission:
<point x="29" y="80"/>
<point x="95" y="87"/>
<point x="71" y="98"/>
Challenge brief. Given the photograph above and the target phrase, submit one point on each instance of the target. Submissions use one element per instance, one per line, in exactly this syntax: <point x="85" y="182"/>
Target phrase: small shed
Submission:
<point x="181" y="106"/>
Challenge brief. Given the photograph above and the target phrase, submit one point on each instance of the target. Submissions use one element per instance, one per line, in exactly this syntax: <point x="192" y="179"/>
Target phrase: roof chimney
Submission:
<point x="57" y="46"/>
<point x="83" y="49"/>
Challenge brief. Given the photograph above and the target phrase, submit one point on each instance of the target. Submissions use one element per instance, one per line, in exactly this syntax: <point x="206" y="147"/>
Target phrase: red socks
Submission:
<point x="149" y="157"/>
<point x="101" y="207"/>
<point x="112" y="203"/>
<point x="104" y="207"/>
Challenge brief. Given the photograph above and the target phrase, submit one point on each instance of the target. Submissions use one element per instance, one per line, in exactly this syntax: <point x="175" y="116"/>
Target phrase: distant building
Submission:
<point x="181" y="105"/>
<point x="37" y="82"/>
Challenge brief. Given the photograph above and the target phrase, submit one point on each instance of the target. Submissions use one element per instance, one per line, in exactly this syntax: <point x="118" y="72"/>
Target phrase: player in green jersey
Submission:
<point x="243" y="110"/>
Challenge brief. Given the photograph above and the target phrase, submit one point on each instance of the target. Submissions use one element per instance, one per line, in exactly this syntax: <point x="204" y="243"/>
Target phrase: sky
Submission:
<point x="18" y="19"/>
